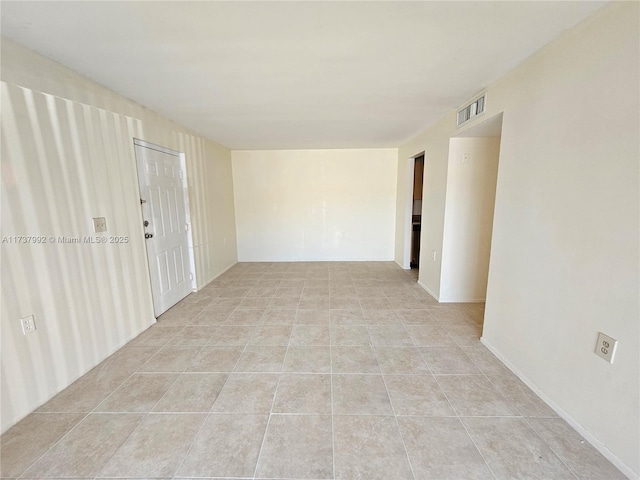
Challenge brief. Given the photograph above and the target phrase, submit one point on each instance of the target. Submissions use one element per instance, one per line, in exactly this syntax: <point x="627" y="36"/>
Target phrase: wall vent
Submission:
<point x="472" y="110"/>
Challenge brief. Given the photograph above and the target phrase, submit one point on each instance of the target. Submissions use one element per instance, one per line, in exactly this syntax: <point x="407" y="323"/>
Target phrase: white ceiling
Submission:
<point x="284" y="75"/>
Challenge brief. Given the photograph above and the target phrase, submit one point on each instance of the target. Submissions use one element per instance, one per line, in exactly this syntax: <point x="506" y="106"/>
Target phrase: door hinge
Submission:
<point x="191" y="277"/>
<point x="181" y="173"/>
<point x="186" y="227"/>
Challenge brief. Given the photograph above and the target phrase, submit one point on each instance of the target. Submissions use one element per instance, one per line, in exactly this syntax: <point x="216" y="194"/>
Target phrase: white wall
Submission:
<point x="468" y="218"/>
<point x="315" y="204"/>
<point x="67" y="156"/>
<point x="565" y="248"/>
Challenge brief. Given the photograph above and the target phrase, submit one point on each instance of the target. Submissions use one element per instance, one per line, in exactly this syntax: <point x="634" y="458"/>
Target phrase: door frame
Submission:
<point x="408" y="209"/>
<point x="185" y="192"/>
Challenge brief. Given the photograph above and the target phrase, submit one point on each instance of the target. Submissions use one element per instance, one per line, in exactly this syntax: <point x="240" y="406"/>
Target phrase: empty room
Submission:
<point x="320" y="240"/>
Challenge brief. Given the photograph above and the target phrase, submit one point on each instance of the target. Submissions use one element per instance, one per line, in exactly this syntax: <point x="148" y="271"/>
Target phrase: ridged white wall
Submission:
<point x="67" y="156"/>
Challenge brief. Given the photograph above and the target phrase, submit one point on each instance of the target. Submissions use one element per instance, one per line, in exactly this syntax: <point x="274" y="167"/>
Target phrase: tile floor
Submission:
<point x="303" y="371"/>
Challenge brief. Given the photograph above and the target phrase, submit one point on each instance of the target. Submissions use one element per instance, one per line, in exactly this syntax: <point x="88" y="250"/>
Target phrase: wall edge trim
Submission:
<point x="608" y="454"/>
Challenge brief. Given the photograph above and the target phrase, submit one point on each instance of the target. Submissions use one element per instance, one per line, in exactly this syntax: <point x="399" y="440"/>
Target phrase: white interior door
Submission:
<point x="162" y="189"/>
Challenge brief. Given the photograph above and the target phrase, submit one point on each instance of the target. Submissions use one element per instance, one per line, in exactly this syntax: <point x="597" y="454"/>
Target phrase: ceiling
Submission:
<point x="289" y="75"/>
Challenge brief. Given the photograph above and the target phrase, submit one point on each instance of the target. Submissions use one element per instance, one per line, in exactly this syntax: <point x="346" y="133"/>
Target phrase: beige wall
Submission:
<point x="565" y="250"/>
<point x="67" y="156"/>
<point x="315" y="204"/>
<point x="468" y="218"/>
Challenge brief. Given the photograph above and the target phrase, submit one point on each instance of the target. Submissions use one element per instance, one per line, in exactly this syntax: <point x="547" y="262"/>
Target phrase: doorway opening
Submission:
<point x="164" y="202"/>
<point x="416" y="211"/>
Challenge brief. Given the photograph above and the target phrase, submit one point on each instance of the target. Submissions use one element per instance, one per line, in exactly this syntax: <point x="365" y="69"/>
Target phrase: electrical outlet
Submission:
<point x="28" y="324"/>
<point x="99" y="224"/>
<point x="606" y="347"/>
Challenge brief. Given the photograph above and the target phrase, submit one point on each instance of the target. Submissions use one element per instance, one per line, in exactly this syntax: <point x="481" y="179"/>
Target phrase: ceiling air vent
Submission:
<point x="470" y="111"/>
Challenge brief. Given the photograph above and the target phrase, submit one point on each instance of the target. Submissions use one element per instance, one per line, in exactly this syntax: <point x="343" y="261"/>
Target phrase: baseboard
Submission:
<point x="608" y="454"/>
<point x="462" y="300"/>
<point x="426" y="289"/>
<point x="217" y="275"/>
<point x="400" y="265"/>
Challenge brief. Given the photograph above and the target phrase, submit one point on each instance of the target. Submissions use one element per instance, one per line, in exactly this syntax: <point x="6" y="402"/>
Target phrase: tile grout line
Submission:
<point x="465" y="429"/>
<point x="575" y="474"/>
<point x="87" y="414"/>
<point x="150" y="410"/>
<point x="333" y="428"/>
<point x="273" y="402"/>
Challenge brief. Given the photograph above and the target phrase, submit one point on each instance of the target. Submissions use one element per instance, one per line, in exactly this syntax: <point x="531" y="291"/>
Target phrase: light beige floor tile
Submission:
<point x="347" y="317"/>
<point x="389" y="336"/>
<point x="284" y="303"/>
<point x="400" y="360"/>
<point x="354" y="360"/>
<point x="360" y="395"/>
<point x="344" y="303"/>
<point x="247" y="393"/>
<point x="382" y="317"/>
<point x="465" y="335"/>
<point x="313" y="317"/>
<point x="405" y="303"/>
<point x="512" y="449"/>
<point x="451" y="315"/>
<point x="232" y="336"/>
<point x="584" y="460"/>
<point x="417" y="395"/>
<point x="303" y="393"/>
<point x="486" y="361"/>
<point x="226" y="445"/>
<point x="310" y="335"/>
<point x="279" y="317"/>
<point x="281" y="291"/>
<point x="369" y="447"/>
<point x="448" y="360"/>
<point x="192" y="392"/>
<point x="156" y="335"/>
<point x="521" y="397"/>
<point x="307" y="360"/>
<point x="441" y="448"/>
<point x="193" y="335"/>
<point x="416" y="317"/>
<point x="320" y="291"/>
<point x="350" y="335"/>
<point x="212" y="316"/>
<point x="261" y="292"/>
<point x="88" y="391"/>
<point x="474" y="395"/>
<point x="261" y="359"/>
<point x="170" y="359"/>
<point x="156" y="448"/>
<point x="248" y="317"/>
<point x="314" y="303"/>
<point x="88" y="447"/>
<point x="127" y="359"/>
<point x="254" y="302"/>
<point x="139" y="393"/>
<point x="27" y="440"/>
<point x="429" y="336"/>
<point x="215" y="359"/>
<point x="271" y="335"/>
<point x="297" y="446"/>
<point x="375" y="303"/>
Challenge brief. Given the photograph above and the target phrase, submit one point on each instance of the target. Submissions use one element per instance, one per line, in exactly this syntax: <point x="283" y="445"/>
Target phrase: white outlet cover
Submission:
<point x="99" y="224"/>
<point x="606" y="347"/>
<point x="28" y="324"/>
